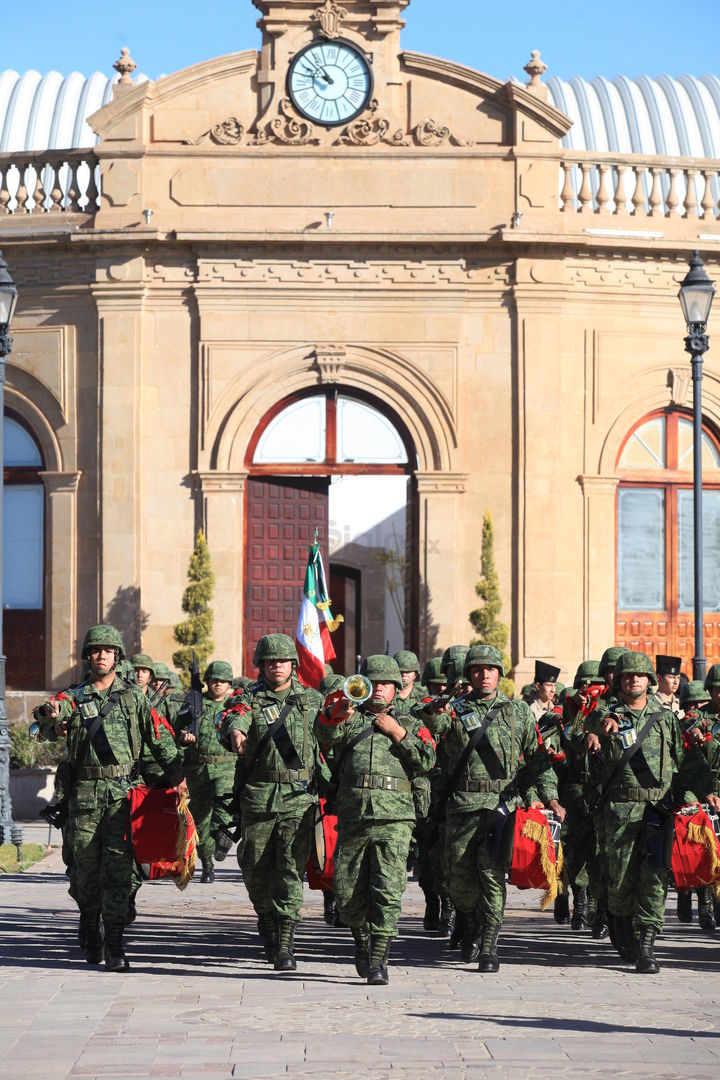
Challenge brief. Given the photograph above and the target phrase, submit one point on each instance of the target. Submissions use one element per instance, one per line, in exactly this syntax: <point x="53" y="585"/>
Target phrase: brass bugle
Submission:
<point x="357" y="689"/>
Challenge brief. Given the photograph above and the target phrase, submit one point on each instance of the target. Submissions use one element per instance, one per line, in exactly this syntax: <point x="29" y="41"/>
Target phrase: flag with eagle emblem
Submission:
<point x="315" y="622"/>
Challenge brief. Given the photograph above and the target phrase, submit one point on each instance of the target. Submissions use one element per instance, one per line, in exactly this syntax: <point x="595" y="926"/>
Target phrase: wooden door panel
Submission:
<point x="24" y="641"/>
<point x="655" y="634"/>
<point x="281" y="516"/>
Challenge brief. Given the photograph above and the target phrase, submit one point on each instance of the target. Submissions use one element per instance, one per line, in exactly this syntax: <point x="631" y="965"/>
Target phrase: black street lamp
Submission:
<point x="9" y="832"/>
<point x="696" y="297"/>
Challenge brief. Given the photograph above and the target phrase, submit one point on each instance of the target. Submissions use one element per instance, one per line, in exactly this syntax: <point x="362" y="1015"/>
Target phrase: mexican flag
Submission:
<point x="315" y="622"/>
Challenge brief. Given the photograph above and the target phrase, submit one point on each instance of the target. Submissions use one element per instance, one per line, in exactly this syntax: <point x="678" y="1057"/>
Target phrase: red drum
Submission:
<point x="535" y="863"/>
<point x="163" y="834"/>
<point x="321" y="864"/>
<point x="696" y="851"/>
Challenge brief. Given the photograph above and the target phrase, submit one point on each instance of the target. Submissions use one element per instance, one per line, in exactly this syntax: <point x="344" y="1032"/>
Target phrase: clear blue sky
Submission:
<point x="613" y="37"/>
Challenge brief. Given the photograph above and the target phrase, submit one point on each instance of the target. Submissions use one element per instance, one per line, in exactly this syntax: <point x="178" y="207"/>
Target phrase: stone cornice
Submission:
<point x="598" y="485"/>
<point x="217" y="483"/>
<point x="59" y="482"/>
<point x="441" y="483"/>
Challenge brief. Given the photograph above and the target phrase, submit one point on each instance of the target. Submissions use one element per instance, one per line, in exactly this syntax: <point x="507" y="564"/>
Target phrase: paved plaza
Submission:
<point x="200" y="1002"/>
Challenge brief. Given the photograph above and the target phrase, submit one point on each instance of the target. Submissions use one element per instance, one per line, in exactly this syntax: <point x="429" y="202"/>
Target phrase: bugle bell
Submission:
<point x="357" y="689"/>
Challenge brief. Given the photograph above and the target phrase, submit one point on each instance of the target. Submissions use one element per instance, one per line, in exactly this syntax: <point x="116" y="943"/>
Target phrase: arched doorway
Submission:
<point x="655" y="538"/>
<point x="23" y="557"/>
<point x="339" y="462"/>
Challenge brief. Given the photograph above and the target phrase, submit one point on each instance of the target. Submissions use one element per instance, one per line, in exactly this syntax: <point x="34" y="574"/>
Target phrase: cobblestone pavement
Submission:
<point x="200" y="1002"/>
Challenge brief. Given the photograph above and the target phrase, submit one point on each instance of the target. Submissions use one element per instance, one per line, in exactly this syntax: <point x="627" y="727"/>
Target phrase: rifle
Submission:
<point x="190" y="714"/>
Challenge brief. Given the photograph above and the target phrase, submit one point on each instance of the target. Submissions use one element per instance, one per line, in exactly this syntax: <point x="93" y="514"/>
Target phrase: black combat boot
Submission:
<point x="82" y="931"/>
<point x="561" y="910"/>
<point x="599" y="927"/>
<point x="379" y="949"/>
<point x="579" y="917"/>
<point x="470" y="950"/>
<point x="362" y="958"/>
<point x="488" y="961"/>
<point x="431" y="918"/>
<point x="706" y="913"/>
<point x="329" y="908"/>
<point x="625" y="938"/>
<point x="132" y="907"/>
<point x="115" y="958"/>
<point x="457" y="932"/>
<point x="93" y="939"/>
<point x="223" y="843"/>
<point x="446" y="924"/>
<point x="208" y="873"/>
<point x="270" y="939"/>
<point x="684" y="905"/>
<point x="285" y="958"/>
<point x="592" y="908"/>
<point x="646" y="962"/>
<point x="262" y="921"/>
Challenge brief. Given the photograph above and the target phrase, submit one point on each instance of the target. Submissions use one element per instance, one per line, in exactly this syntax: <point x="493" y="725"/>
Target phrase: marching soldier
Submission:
<point x="106" y="722"/>
<point x="546" y="677"/>
<point x="272" y="726"/>
<point x="667" y="669"/>
<point x="376" y="757"/>
<point x="144" y="670"/>
<point x="412" y="689"/>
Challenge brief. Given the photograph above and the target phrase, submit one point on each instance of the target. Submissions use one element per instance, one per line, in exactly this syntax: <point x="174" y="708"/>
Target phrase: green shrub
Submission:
<point x="28" y="753"/>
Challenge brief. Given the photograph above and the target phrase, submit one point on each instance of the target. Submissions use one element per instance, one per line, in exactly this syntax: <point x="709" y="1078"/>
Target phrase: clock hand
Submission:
<point x="327" y="78"/>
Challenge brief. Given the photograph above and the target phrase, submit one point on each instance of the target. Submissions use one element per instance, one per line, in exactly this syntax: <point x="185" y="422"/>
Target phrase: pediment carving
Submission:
<point x="330" y="17"/>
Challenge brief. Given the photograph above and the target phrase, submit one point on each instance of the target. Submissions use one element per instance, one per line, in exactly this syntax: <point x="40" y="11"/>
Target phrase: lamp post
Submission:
<point x="696" y="297"/>
<point x="9" y="832"/>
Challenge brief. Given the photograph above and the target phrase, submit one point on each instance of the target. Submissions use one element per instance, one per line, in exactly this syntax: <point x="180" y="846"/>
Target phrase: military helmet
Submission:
<point x="433" y="672"/>
<point x="381" y="668"/>
<point x="528" y="691"/>
<point x="407" y="661"/>
<point x="330" y="684"/>
<point x="241" y="682"/>
<point x="587" y="672"/>
<point x="634" y="663"/>
<point x="218" y="669"/>
<point x="693" y="693"/>
<point x="453" y="661"/>
<point x="275" y="647"/>
<point x="487" y="655"/>
<point x="103" y="635"/>
<point x="610" y="658"/>
<point x="175" y="681"/>
<point x="141" y="660"/>
<point x="713" y="677"/>
<point x="162" y="671"/>
<point x="559" y="688"/>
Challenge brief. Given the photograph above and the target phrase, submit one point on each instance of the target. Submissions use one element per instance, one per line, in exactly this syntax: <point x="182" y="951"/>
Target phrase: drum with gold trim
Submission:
<point x="696" y="851"/>
<point x="321" y="864"/>
<point x="163" y="834"/>
<point x="537" y="853"/>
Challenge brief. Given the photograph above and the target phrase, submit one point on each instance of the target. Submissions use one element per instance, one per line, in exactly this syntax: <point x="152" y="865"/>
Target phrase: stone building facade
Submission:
<point x="507" y="306"/>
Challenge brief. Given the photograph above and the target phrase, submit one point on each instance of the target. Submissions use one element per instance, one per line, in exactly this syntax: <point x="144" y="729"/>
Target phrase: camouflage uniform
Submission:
<point x="103" y="771"/>
<point x="474" y="808"/>
<point x="277" y="803"/>
<point x="376" y="814"/>
<point x="637" y="817"/>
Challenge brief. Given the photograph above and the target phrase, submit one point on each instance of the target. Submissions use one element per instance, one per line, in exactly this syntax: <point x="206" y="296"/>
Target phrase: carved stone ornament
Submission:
<point x="286" y="128"/>
<point x="371" y="130"/>
<point x="535" y="67"/>
<point x="679" y="382"/>
<point x="230" y="132"/>
<point x="329" y="361"/>
<point x="125" y="66"/>
<point x="330" y="16"/>
<point x="429" y="134"/>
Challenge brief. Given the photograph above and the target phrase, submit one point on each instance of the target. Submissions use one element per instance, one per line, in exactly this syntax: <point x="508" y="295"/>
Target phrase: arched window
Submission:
<point x="23" y="557"/>
<point x="655" y="561"/>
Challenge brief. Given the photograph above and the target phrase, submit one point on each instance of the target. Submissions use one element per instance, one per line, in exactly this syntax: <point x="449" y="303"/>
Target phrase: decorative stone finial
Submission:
<point x="535" y="68"/>
<point x="330" y="16"/>
<point x="125" y="67"/>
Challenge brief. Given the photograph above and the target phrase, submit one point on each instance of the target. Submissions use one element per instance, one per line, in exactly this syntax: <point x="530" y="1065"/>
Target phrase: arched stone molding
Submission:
<point x="37" y="421"/>
<point x="383" y="374"/>
<point x="646" y="400"/>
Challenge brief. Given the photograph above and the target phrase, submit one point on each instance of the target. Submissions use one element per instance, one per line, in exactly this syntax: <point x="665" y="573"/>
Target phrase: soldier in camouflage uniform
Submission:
<point x="209" y="768"/>
<point x="638" y="815"/>
<point x="106" y="722"/>
<point x="144" y="670"/>
<point x="272" y="725"/>
<point x="412" y="689"/>
<point x="376" y="759"/>
<point x="481" y="790"/>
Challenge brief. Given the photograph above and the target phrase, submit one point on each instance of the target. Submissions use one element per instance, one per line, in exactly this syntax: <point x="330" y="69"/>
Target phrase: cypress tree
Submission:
<point x="194" y="634"/>
<point x="484" y="620"/>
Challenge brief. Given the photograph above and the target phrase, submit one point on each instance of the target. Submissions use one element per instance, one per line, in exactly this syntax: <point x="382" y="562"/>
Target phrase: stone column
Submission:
<point x="222" y="496"/>
<point x="61" y="632"/>
<point x="442" y="617"/>
<point x="599" y="556"/>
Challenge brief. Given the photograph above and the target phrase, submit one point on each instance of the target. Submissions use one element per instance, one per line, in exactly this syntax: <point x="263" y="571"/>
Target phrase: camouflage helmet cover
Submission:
<point x="433" y="672"/>
<point x="713" y="677"/>
<point x="486" y="655"/>
<point x="275" y="647"/>
<point x="693" y="693"/>
<point x="142" y="660"/>
<point x="453" y="661"/>
<point x="330" y="684"/>
<point x="634" y="663"/>
<point x="162" y="671"/>
<point x="588" y="671"/>
<point x="381" y="668"/>
<point x="103" y="634"/>
<point x="610" y="658"/>
<point x="407" y="661"/>
<point x="218" y="669"/>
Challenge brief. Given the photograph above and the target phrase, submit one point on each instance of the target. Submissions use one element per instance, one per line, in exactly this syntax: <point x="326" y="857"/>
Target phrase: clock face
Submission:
<point x="330" y="82"/>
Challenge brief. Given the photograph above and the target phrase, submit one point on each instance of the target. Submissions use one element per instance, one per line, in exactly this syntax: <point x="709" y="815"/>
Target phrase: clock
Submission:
<point x="330" y="82"/>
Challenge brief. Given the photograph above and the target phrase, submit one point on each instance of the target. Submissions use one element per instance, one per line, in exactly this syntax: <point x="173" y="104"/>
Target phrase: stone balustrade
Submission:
<point x="639" y="186"/>
<point x="50" y="182"/>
